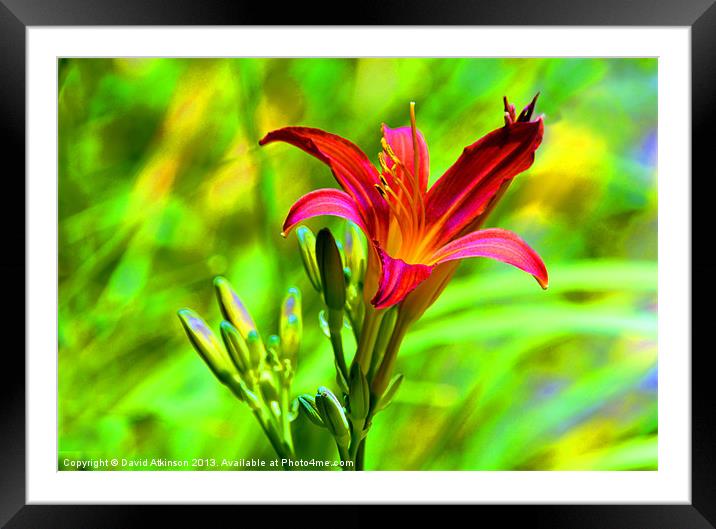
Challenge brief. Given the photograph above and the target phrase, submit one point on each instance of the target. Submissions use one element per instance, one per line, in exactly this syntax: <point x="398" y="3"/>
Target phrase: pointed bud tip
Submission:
<point x="227" y="326"/>
<point x="220" y="281"/>
<point x="192" y="320"/>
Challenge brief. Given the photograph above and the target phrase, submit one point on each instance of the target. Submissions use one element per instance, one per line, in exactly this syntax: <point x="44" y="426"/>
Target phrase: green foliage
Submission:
<point x="162" y="187"/>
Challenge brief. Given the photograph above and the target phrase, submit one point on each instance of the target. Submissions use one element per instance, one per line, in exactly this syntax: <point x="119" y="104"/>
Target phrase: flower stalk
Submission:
<point x="257" y="373"/>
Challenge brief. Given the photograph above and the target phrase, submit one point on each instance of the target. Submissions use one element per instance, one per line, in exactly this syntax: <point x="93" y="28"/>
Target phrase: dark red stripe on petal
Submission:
<point x="324" y="202"/>
<point x="498" y="244"/>
<point x="397" y="279"/>
<point x="465" y="190"/>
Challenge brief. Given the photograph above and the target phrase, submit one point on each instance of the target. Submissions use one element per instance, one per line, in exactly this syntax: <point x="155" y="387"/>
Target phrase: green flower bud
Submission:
<point x="268" y="388"/>
<point x="307" y="247"/>
<point x="257" y="351"/>
<point x="333" y="415"/>
<point x="232" y="308"/>
<point x="355" y="251"/>
<point x="206" y="344"/>
<point x="291" y="325"/>
<point x="274" y="350"/>
<point x="294" y="410"/>
<point x="359" y="394"/>
<point x="236" y="345"/>
<point x="234" y="385"/>
<point x="331" y="268"/>
<point x="307" y="406"/>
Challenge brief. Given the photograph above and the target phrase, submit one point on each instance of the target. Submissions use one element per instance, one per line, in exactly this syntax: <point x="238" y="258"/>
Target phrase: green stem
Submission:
<point x="345" y="457"/>
<point x="335" y="326"/>
<point x="285" y="422"/>
<point x="360" y="455"/>
<point x="276" y="443"/>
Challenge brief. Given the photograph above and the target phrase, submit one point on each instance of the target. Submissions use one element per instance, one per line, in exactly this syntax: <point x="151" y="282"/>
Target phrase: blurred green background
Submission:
<point x="162" y="186"/>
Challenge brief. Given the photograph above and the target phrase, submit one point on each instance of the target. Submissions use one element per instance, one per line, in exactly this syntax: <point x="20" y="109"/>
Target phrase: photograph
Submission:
<point x="357" y="264"/>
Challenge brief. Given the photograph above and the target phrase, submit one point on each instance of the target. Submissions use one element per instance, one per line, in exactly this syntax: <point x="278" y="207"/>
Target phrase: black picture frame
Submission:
<point x="16" y="15"/>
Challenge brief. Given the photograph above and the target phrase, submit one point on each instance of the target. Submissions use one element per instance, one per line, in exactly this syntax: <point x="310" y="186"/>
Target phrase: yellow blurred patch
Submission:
<point x="134" y="66"/>
<point x="568" y="169"/>
<point x="184" y="122"/>
<point x="234" y="181"/>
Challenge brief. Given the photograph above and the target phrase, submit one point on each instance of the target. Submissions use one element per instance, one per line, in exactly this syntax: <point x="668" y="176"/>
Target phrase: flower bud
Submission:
<point x="359" y="394"/>
<point x="307" y="247"/>
<point x="234" y="385"/>
<point x="291" y="325"/>
<point x="232" y="308"/>
<point x="236" y="345"/>
<point x="333" y="415"/>
<point x="307" y="406"/>
<point x="355" y="251"/>
<point x="257" y="351"/>
<point x="206" y="344"/>
<point x="331" y="268"/>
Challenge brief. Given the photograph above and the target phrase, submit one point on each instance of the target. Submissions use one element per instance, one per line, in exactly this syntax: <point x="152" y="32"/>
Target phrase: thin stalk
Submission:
<point x="354" y="328"/>
<point x="276" y="443"/>
<point x="285" y="422"/>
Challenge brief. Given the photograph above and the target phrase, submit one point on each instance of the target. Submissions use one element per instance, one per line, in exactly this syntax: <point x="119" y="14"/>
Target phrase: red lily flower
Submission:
<point x="414" y="230"/>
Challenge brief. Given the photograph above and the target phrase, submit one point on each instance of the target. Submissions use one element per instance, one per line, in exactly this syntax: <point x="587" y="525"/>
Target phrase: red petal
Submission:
<point x="464" y="191"/>
<point x="323" y="202"/>
<point x="498" y="244"/>
<point x="397" y="279"/>
<point x="401" y="141"/>
<point x="350" y="166"/>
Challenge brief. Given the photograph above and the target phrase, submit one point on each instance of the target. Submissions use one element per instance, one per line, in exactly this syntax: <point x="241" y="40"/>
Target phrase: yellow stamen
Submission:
<point x="403" y="226"/>
<point x="406" y="210"/>
<point x="389" y="151"/>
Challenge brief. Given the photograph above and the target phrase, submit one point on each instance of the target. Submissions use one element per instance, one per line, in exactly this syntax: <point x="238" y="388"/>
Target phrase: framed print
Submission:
<point x="443" y="264"/>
